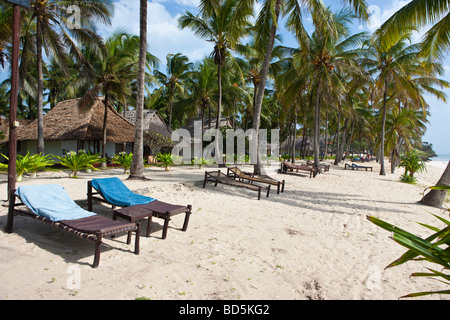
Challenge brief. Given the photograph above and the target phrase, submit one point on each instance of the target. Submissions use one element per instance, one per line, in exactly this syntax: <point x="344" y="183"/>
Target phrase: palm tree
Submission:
<point x="329" y="62"/>
<point x="54" y="33"/>
<point x="268" y="25"/>
<point x="202" y="88"/>
<point x="398" y="69"/>
<point x="113" y="72"/>
<point x="178" y="67"/>
<point x="224" y="23"/>
<point x="137" y="165"/>
<point x="417" y="14"/>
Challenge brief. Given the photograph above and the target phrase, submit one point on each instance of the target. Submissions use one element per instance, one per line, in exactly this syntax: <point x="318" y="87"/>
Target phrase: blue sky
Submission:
<point x="165" y="37"/>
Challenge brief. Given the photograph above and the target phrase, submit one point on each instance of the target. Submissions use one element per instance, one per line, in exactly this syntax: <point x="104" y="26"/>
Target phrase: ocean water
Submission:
<point x="441" y="161"/>
<point x="441" y="157"/>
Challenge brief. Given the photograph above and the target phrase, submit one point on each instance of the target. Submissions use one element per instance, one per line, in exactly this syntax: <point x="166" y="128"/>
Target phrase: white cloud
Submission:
<point x="164" y="36"/>
<point x="379" y="16"/>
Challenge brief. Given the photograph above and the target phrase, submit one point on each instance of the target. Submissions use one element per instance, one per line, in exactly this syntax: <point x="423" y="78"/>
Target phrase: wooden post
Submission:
<point x="12" y="117"/>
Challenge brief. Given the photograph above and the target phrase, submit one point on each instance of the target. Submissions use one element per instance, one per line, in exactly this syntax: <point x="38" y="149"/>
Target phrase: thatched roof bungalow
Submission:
<point x="157" y="135"/>
<point x="66" y="128"/>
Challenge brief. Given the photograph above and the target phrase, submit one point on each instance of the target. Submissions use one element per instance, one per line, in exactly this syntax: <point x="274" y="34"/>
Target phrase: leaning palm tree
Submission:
<point x="178" y="67"/>
<point x="57" y="34"/>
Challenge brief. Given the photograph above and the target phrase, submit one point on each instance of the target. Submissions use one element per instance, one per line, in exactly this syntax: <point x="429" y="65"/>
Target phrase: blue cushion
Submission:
<point x="52" y="202"/>
<point x="117" y="193"/>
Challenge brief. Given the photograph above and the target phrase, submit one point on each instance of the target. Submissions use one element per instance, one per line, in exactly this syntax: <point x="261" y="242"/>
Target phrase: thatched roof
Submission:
<point x="224" y="123"/>
<point x="152" y="122"/>
<point x="66" y="122"/>
<point x="4" y="127"/>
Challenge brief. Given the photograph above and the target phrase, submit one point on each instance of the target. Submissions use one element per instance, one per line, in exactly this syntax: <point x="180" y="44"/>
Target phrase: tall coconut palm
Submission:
<point x="202" y="88"/>
<point x="224" y="23"/>
<point x="293" y="10"/>
<point x="177" y="72"/>
<point x="329" y="61"/>
<point x="137" y="164"/>
<point x="112" y="73"/>
<point x="398" y="68"/>
<point x="56" y="33"/>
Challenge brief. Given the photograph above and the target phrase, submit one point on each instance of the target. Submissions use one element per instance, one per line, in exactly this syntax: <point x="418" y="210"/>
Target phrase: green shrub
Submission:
<point x="166" y="159"/>
<point x="201" y="161"/>
<point x="412" y="163"/>
<point x="30" y="163"/>
<point x="124" y="160"/>
<point x="77" y="161"/>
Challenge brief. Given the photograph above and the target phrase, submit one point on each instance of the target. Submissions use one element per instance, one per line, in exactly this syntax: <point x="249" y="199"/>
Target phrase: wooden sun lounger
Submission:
<point x="159" y="209"/>
<point x="285" y="166"/>
<point x="220" y="177"/>
<point x="354" y="166"/>
<point x="236" y="173"/>
<point x="324" y="166"/>
<point x="93" y="228"/>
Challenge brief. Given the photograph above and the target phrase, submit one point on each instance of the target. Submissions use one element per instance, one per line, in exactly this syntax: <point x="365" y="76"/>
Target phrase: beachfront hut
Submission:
<point x="157" y="135"/>
<point x="66" y="128"/>
<point x="4" y="134"/>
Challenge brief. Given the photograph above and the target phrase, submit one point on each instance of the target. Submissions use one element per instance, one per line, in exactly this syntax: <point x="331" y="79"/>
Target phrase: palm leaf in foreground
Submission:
<point x="421" y="249"/>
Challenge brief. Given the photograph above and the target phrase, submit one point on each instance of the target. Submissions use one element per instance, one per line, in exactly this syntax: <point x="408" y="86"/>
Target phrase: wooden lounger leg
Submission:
<point x="206" y="177"/>
<point x="98" y="244"/>
<point x="89" y="195"/>
<point x="282" y="188"/>
<point x="166" y="225"/>
<point x="259" y="193"/>
<point x="278" y="187"/>
<point x="186" y="218"/>
<point x="149" y="225"/>
<point x="268" y="191"/>
<point x="136" y="240"/>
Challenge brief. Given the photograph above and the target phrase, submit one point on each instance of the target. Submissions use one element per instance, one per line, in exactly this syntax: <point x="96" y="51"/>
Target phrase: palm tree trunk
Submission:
<point x="40" y="89"/>
<point x="257" y="168"/>
<point x="105" y="121"/>
<point x="317" y="128"/>
<point x="217" y="152"/>
<point x="383" y="129"/>
<point x="344" y="139"/>
<point x="326" y="136"/>
<point x="435" y="198"/>
<point x="137" y="165"/>
<point x="337" y="140"/>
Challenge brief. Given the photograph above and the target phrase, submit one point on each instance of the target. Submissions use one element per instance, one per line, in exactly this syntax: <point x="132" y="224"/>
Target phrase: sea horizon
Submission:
<point x="441" y="157"/>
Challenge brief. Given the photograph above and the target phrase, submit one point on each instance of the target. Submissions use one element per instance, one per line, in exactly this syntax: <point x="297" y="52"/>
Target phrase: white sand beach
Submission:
<point x="311" y="242"/>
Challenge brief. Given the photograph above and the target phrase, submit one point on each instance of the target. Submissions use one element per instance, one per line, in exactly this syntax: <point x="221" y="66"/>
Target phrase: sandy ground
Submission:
<point x="311" y="242"/>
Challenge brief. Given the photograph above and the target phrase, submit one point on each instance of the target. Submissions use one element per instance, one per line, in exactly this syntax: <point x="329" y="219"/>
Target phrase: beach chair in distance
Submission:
<point x="236" y="173"/>
<point x="354" y="166"/>
<point x="51" y="204"/>
<point x="285" y="166"/>
<point x="114" y="192"/>
<point x="324" y="166"/>
<point x="220" y="177"/>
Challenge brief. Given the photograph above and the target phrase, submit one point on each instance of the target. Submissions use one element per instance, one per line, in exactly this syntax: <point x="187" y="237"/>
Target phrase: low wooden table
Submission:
<point x="157" y="209"/>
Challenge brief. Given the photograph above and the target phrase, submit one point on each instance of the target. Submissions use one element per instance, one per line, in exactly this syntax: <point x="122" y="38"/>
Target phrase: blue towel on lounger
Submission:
<point x="52" y="202"/>
<point x="117" y="193"/>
